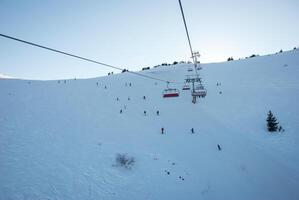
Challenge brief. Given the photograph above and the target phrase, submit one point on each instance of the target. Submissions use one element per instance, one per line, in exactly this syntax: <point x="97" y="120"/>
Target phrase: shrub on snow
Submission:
<point x="123" y="160"/>
<point x="272" y="123"/>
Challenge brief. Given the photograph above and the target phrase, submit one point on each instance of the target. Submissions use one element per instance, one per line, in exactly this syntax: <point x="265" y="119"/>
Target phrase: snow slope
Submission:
<point x="60" y="140"/>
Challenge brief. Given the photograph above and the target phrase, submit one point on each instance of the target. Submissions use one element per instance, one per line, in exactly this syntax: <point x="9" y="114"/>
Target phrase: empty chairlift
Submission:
<point x="170" y="92"/>
<point x="198" y="68"/>
<point x="186" y="87"/>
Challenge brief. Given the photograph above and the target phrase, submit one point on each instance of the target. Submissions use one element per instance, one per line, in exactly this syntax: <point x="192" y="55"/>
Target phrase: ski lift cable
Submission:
<point x="187" y="32"/>
<point x="85" y="59"/>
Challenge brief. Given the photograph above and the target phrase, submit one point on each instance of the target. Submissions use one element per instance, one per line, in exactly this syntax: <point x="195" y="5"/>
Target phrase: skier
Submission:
<point x="192" y="130"/>
<point x="144" y="112"/>
<point x="219" y="148"/>
<point x="129" y="99"/>
<point x="121" y="111"/>
<point x="158" y="113"/>
<point x="105" y="87"/>
<point x="117" y="99"/>
<point x="144" y="97"/>
<point x="162" y="130"/>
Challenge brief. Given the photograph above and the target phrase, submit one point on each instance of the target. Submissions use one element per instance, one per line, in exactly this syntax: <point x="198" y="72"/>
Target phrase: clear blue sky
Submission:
<point x="138" y="33"/>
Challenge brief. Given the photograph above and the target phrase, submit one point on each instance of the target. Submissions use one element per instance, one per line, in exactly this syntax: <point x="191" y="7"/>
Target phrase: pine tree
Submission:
<point x="271" y="122"/>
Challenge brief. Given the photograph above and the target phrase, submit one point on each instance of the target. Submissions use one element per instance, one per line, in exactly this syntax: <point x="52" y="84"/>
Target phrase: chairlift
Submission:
<point x="199" y="91"/>
<point x="170" y="92"/>
<point x="198" y="68"/>
<point x="186" y="87"/>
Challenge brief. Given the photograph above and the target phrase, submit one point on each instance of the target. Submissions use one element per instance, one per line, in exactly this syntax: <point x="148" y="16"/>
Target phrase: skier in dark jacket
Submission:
<point x="219" y="148"/>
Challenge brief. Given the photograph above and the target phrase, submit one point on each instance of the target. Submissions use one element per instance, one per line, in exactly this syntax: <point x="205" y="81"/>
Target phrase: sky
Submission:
<point x="133" y="34"/>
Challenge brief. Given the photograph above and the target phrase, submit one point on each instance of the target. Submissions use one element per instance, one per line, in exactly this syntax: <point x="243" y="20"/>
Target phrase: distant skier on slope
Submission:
<point x="192" y="130"/>
<point x="162" y="130"/>
<point x="219" y="148"/>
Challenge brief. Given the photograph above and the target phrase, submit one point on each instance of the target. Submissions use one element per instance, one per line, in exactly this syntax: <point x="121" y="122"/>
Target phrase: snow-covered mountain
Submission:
<point x="59" y="140"/>
<point x="2" y="76"/>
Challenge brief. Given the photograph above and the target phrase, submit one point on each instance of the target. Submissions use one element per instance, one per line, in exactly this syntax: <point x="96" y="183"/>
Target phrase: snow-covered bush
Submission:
<point x="124" y="160"/>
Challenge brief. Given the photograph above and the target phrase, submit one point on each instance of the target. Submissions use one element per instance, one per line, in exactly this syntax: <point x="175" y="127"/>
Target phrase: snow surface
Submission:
<point x="59" y="141"/>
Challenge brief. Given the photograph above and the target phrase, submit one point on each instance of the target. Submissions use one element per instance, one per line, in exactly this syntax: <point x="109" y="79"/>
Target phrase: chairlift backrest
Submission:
<point x="199" y="87"/>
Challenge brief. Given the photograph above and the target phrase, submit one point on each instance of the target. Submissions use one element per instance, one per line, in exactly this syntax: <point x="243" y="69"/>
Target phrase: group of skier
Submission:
<point x="162" y="129"/>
